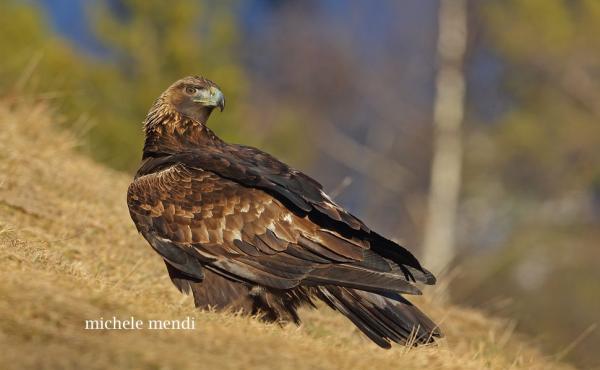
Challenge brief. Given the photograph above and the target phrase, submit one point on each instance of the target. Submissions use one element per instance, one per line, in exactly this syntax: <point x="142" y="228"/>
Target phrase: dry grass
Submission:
<point x="69" y="252"/>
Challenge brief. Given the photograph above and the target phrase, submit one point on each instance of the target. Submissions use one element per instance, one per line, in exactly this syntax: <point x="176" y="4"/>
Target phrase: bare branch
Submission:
<point x="383" y="170"/>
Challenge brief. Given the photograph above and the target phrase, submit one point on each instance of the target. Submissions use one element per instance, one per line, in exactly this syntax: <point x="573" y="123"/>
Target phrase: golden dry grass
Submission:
<point x="69" y="252"/>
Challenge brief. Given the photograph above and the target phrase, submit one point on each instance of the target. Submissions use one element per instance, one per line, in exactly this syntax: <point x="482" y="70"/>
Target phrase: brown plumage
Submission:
<point x="241" y="230"/>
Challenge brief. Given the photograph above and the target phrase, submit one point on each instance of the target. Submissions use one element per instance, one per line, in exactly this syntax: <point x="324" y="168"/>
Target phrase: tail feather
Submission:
<point x="382" y="318"/>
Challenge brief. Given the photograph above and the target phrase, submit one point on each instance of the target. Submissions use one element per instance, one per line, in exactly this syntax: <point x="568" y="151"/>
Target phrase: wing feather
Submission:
<point x="246" y="233"/>
<point x="299" y="193"/>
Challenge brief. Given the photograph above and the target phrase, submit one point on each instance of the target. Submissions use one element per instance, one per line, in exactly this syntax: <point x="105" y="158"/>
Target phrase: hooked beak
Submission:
<point x="211" y="97"/>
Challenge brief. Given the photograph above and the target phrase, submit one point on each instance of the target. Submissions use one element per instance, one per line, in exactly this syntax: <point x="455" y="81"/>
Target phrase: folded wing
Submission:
<point x="195" y="219"/>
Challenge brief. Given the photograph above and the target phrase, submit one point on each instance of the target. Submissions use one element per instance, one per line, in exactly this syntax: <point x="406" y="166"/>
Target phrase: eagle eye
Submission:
<point x="191" y="90"/>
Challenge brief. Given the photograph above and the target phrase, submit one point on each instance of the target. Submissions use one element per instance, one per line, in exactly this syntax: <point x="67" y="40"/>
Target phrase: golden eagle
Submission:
<point x="244" y="231"/>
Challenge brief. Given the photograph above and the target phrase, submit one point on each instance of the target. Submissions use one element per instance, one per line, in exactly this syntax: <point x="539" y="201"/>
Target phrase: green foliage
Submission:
<point x="31" y="56"/>
<point x="549" y="142"/>
<point x="151" y="45"/>
<point x="545" y="154"/>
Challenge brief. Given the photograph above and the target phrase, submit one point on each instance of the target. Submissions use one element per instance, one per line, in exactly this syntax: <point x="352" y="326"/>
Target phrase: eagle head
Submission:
<point x="194" y="97"/>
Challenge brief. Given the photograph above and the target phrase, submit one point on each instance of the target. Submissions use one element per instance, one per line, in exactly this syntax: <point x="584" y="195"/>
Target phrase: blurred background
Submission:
<point x="467" y="130"/>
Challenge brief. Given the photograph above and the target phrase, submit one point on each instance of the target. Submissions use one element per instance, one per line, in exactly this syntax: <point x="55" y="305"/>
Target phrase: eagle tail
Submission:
<point x="381" y="318"/>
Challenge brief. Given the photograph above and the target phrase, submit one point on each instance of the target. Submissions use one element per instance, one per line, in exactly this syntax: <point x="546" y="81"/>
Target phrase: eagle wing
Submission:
<point x="298" y="193"/>
<point x="195" y="218"/>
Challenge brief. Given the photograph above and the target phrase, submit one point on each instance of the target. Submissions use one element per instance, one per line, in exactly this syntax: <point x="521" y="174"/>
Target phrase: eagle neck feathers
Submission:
<point x="168" y="132"/>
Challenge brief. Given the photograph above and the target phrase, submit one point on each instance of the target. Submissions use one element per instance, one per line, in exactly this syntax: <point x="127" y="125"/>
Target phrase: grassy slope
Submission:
<point x="69" y="252"/>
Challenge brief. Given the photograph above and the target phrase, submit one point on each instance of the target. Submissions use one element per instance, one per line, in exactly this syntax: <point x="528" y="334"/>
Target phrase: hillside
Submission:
<point x="69" y="252"/>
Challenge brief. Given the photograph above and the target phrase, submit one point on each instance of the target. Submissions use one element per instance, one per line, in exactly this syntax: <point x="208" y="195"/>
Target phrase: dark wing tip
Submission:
<point x="430" y="279"/>
<point x="383" y="319"/>
<point x="421" y="275"/>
